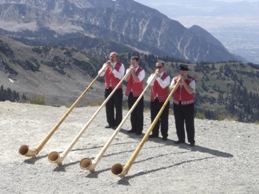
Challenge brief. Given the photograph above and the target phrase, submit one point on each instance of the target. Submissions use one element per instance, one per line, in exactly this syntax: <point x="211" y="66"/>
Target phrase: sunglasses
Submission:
<point x="158" y="67"/>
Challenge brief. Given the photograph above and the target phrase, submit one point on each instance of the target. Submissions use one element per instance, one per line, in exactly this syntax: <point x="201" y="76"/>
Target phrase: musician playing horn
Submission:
<point x="112" y="75"/>
<point x="183" y="101"/>
<point x="134" y="89"/>
<point x="159" y="93"/>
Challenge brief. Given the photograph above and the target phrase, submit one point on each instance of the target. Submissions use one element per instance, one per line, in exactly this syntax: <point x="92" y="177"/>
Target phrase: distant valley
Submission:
<point x="235" y="24"/>
<point x="243" y="41"/>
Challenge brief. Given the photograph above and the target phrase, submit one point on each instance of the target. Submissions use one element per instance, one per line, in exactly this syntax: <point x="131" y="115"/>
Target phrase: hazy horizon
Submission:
<point x="235" y="23"/>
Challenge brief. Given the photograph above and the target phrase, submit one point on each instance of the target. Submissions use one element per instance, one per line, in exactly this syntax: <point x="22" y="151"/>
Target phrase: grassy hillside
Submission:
<point x="228" y="89"/>
<point x="59" y="75"/>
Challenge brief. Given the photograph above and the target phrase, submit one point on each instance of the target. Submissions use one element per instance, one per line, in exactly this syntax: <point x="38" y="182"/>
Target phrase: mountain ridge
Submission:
<point x="234" y="23"/>
<point x="125" y="22"/>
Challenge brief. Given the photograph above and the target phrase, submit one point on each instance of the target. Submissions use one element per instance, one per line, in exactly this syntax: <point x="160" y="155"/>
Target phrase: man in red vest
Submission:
<point x="134" y="88"/>
<point x="183" y="101"/>
<point x="159" y="93"/>
<point x="112" y="75"/>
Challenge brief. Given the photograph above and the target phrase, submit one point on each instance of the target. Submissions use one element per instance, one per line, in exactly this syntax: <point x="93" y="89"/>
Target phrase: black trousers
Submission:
<point x="137" y="115"/>
<point x="155" y="107"/>
<point x="114" y="107"/>
<point x="184" y="114"/>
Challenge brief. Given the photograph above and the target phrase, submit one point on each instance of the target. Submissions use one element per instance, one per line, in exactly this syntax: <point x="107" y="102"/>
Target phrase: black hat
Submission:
<point x="184" y="67"/>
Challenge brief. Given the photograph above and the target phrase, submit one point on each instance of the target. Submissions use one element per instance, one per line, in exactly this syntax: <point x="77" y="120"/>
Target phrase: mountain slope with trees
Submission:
<point x="61" y="74"/>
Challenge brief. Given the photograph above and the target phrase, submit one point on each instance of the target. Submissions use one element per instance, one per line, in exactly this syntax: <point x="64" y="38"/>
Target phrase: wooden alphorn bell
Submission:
<point x="55" y="157"/>
<point x="122" y="171"/>
<point x="24" y="149"/>
<point x="87" y="163"/>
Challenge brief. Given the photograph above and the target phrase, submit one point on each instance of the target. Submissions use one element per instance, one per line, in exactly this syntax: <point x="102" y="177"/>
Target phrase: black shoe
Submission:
<point x="179" y="142"/>
<point x="153" y="136"/>
<point x="192" y="144"/>
<point x="138" y="133"/>
<point x="164" y="138"/>
<point x="109" y="126"/>
<point x="132" y="131"/>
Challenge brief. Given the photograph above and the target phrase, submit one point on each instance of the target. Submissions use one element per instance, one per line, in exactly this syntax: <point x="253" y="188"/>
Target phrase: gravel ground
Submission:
<point x="224" y="160"/>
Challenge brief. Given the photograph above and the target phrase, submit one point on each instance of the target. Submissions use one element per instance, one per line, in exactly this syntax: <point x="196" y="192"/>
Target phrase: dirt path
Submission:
<point x="225" y="159"/>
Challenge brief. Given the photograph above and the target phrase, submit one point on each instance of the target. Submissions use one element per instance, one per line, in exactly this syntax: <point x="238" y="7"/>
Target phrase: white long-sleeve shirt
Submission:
<point x="141" y="74"/>
<point x="163" y="83"/>
<point x="191" y="84"/>
<point x="118" y="74"/>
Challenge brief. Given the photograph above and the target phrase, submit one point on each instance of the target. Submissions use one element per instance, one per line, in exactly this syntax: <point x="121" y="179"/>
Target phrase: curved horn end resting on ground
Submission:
<point x="54" y="157"/>
<point x="119" y="170"/>
<point x="25" y="151"/>
<point x="86" y="163"/>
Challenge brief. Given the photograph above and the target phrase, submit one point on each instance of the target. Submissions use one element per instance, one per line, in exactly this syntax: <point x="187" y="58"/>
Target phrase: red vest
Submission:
<point x="182" y="95"/>
<point x="135" y="87"/>
<point x="158" y="92"/>
<point x="110" y="79"/>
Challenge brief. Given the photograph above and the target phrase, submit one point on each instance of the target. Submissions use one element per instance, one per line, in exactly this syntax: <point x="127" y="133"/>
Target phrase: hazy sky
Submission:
<point x="237" y="0"/>
<point x="199" y="14"/>
<point x="206" y="0"/>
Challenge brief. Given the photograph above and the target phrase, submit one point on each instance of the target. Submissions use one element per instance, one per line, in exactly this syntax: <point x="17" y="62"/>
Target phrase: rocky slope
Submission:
<point x="127" y="23"/>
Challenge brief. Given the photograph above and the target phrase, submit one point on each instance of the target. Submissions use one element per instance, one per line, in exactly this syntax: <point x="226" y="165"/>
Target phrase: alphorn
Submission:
<point x="24" y="149"/>
<point x="55" y="157"/>
<point x="121" y="171"/>
<point x="87" y="163"/>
